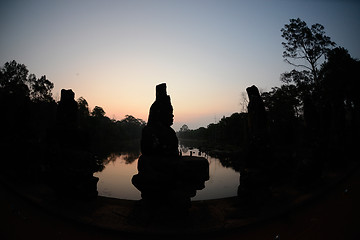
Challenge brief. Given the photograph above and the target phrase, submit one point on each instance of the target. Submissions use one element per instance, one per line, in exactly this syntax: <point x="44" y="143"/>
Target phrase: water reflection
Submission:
<point x="115" y="179"/>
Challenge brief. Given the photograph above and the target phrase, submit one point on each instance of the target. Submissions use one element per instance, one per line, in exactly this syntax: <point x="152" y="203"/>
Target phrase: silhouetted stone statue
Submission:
<point x="73" y="167"/>
<point x="256" y="115"/>
<point x="158" y="138"/>
<point x="67" y="109"/>
<point x="164" y="176"/>
<point x="66" y="118"/>
<point x="254" y="178"/>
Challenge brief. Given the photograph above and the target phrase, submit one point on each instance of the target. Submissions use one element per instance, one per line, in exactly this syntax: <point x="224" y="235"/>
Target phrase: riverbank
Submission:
<point x="211" y="218"/>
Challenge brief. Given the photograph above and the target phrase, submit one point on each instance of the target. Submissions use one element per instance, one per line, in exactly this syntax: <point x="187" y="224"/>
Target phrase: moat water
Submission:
<point x="115" y="179"/>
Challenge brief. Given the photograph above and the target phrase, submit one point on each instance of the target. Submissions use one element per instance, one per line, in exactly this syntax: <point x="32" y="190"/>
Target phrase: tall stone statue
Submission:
<point x="164" y="177"/>
<point x="66" y="118"/>
<point x="67" y="109"/>
<point x="72" y="167"/>
<point x="158" y="138"/>
<point x="159" y="163"/>
<point x="255" y="176"/>
<point x="257" y="116"/>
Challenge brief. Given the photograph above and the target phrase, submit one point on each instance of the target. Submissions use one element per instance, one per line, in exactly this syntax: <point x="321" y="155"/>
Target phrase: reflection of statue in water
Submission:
<point x="164" y="177"/>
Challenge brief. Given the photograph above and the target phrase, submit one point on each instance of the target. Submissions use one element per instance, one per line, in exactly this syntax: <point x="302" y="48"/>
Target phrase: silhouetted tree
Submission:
<point x="184" y="128"/>
<point x="28" y="111"/>
<point x="131" y="120"/>
<point x="14" y="79"/>
<point x="340" y="101"/>
<point x="83" y="106"/>
<point x="83" y="112"/>
<point x="340" y="77"/>
<point x="40" y="89"/>
<point x="283" y="109"/>
<point x="131" y="127"/>
<point x="98" y="112"/>
<point x="305" y="47"/>
<point x="23" y="96"/>
<point x="304" y="44"/>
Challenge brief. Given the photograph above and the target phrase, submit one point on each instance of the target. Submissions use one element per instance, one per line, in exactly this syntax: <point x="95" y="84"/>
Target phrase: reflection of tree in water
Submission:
<point x="184" y="149"/>
<point x="131" y="157"/>
<point x="110" y="158"/>
<point x="230" y="162"/>
<point x="227" y="159"/>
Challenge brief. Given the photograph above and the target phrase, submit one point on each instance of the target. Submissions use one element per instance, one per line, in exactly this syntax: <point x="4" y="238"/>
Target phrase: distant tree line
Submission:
<point x="109" y="135"/>
<point x="28" y="118"/>
<point x="227" y="133"/>
<point x="317" y="105"/>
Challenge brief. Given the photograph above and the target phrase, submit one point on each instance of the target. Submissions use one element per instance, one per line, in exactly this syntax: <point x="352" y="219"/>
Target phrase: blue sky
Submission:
<point x="113" y="53"/>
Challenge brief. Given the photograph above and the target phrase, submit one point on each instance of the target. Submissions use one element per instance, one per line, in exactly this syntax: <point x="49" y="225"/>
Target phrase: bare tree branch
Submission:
<point x="297" y="65"/>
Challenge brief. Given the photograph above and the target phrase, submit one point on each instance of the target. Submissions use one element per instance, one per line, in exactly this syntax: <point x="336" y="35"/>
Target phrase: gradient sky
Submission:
<point x="113" y="53"/>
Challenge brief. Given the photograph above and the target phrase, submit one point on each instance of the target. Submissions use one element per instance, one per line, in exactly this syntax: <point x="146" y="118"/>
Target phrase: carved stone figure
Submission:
<point x="72" y="167"/>
<point x="256" y="115"/>
<point x="164" y="176"/>
<point x="254" y="178"/>
<point x="67" y="109"/>
<point x="158" y="138"/>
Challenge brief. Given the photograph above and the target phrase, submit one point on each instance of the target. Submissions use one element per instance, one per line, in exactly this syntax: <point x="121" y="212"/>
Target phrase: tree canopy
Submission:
<point x="98" y="112"/>
<point x="304" y="47"/>
<point x="16" y="80"/>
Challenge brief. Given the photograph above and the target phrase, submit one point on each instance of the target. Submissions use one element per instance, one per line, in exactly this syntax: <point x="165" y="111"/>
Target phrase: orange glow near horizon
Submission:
<point x="119" y="96"/>
<point x="188" y="106"/>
